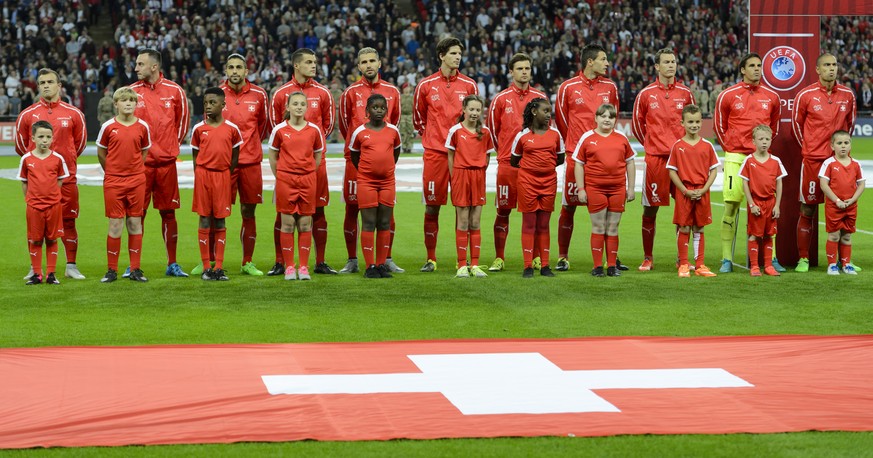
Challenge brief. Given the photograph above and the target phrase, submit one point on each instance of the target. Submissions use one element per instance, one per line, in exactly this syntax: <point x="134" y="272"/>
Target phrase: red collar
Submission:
<point x="518" y="90"/>
<point x="245" y="87"/>
<point x="301" y="85"/>
<point x="374" y="85"/>
<point x="668" y="87"/>
<point x="48" y="104"/>
<point x="158" y="81"/>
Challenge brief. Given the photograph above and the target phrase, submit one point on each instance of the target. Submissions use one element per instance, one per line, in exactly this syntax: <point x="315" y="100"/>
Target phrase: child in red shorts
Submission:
<point x="42" y="173"/>
<point x="692" y="167"/>
<point x="762" y="175"/>
<point x="375" y="149"/>
<point x="842" y="181"/>
<point x="469" y="147"/>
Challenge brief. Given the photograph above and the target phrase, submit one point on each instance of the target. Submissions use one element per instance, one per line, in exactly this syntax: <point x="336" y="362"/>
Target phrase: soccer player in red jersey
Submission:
<point x="605" y="178"/>
<point x="738" y="110"/>
<point x="762" y="175"/>
<point x="246" y="105"/>
<point x="469" y="147"/>
<point x="536" y="151"/>
<point x="215" y="144"/>
<point x="657" y="124"/>
<point x="437" y="105"/>
<point x="42" y="172"/>
<point x="692" y="166"/>
<point x="163" y="105"/>
<point x="296" y="150"/>
<point x="842" y="181"/>
<point x="320" y="111"/>
<point x="504" y="121"/>
<point x="122" y="148"/>
<point x="820" y="109"/>
<point x="69" y="139"/>
<point x="352" y="114"/>
<point x="578" y="99"/>
<point x="375" y="149"/>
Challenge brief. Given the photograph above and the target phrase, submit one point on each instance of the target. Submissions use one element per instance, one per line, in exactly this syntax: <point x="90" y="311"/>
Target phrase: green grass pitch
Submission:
<point x="429" y="306"/>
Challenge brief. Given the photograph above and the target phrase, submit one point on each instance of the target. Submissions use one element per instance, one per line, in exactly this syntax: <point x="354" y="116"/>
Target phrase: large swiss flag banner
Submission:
<point x="83" y="396"/>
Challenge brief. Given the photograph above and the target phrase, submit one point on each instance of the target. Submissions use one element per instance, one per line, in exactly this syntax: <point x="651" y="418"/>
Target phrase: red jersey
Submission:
<point x="377" y="151"/>
<point x="471" y="152"/>
<point x="505" y="117"/>
<point x="605" y="158"/>
<point x="353" y="106"/>
<point x="164" y="107"/>
<point x="319" y="111"/>
<point x="42" y="175"/>
<point x="124" y="146"/>
<point x="762" y="176"/>
<point x="692" y="162"/>
<point x="68" y="124"/>
<point x="539" y="152"/>
<point x="578" y="100"/>
<point x="215" y="144"/>
<point x="843" y="180"/>
<point x="437" y="104"/>
<point x="818" y="114"/>
<point x="657" y="116"/>
<point x="738" y="110"/>
<point x="296" y="148"/>
<point x="248" y="110"/>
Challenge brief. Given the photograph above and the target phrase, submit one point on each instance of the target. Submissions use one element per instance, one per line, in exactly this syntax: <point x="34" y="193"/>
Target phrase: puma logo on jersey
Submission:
<point x="35" y="116"/>
<point x="816" y="99"/>
<point x="681" y="150"/>
<point x="530" y="140"/>
<point x="836" y="169"/>
<point x="738" y="97"/>
<point x="365" y="136"/>
<point x="31" y="165"/>
<point x="463" y="136"/>
<point x="593" y="142"/>
<point x="287" y="135"/>
<point x="577" y="92"/>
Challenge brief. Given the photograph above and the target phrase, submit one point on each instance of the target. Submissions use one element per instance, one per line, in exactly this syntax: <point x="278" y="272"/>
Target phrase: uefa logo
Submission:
<point x="783" y="68"/>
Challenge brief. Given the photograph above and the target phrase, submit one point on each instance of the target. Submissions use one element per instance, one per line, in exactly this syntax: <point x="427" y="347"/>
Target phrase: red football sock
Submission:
<point x="475" y="246"/>
<point x="392" y="227"/>
<point x="248" y="234"/>
<point x="431" y="231"/>
<point x="350" y="230"/>
<point x="170" y="230"/>
<point x="699" y="248"/>
<point x="203" y="242"/>
<point x="286" y="245"/>
<point x="767" y="245"/>
<point x="71" y="240"/>
<point x="461" y="241"/>
<point x="220" y="245"/>
<point x="51" y="255"/>
<point x="304" y="245"/>
<point x="319" y="234"/>
<point x="501" y="230"/>
<point x="753" y="253"/>
<point x="134" y="250"/>
<point x="682" y="245"/>
<point x="277" y="243"/>
<point x="648" y="235"/>
<point x="597" y="243"/>
<point x="845" y="254"/>
<point x="565" y="232"/>
<point x="368" y="247"/>
<point x="612" y="249"/>
<point x="36" y="257"/>
<point x="383" y="245"/>
<point x="804" y="235"/>
<point x="543" y="237"/>
<point x="113" y="246"/>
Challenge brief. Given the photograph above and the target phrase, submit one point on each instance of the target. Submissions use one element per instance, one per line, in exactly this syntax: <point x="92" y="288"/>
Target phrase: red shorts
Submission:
<point x="350" y="184"/>
<point x="295" y="194"/>
<point x="692" y="213"/>
<point x="570" y="197"/>
<point x="249" y="182"/>
<point x="507" y="186"/>
<point x="468" y="187"/>
<point x="372" y="193"/>
<point x="124" y="196"/>
<point x="840" y="219"/>
<point x="762" y="225"/>
<point x="536" y="192"/>
<point x="810" y="192"/>
<point x="162" y="184"/>
<point x="70" y="200"/>
<point x="611" y="198"/>
<point x="211" y="192"/>
<point x="435" y="178"/>
<point x="44" y="224"/>
<point x="657" y="186"/>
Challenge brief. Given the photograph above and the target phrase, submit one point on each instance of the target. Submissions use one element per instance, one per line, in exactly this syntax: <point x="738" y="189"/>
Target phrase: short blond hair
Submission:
<point x="123" y="93"/>
<point x="762" y="128"/>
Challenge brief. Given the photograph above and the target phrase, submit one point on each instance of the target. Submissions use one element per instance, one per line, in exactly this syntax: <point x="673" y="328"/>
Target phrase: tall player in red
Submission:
<point x="436" y="107"/>
<point x="505" y="118"/>
<point x="578" y="100"/>
<point x="352" y="114"/>
<point x="320" y="111"/>
<point x="69" y="140"/>
<point x="657" y="124"/>
<point x="738" y="110"/>
<point x="820" y="109"/>
<point x="163" y="105"/>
